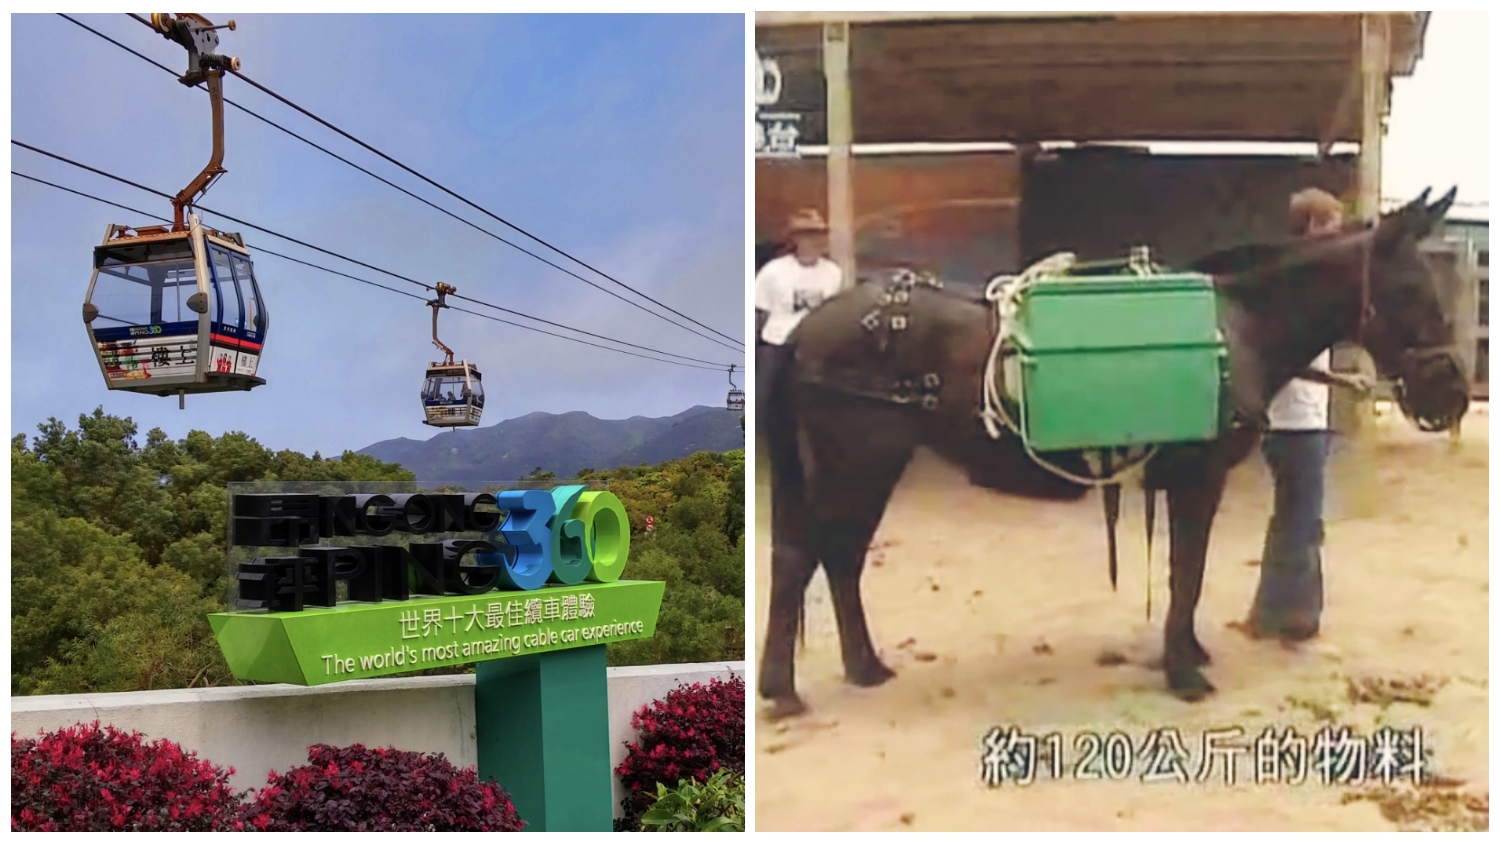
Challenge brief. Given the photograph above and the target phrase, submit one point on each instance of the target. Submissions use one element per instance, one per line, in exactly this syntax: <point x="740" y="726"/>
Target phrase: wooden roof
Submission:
<point x="968" y="77"/>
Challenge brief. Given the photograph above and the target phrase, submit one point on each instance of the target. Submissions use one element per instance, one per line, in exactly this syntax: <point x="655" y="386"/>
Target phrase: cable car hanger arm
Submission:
<point x="440" y="302"/>
<point x="196" y="33"/>
<point x="200" y="184"/>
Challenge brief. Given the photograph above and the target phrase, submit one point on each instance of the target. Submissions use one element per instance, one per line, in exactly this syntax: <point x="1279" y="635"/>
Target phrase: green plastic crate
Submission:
<point x="1119" y="360"/>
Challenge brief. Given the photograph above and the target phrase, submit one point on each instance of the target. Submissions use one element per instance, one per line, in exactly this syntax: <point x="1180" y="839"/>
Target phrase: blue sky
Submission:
<point x="620" y="139"/>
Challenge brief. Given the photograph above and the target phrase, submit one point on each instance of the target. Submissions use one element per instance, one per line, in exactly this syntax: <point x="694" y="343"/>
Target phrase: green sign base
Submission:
<point x="542" y="726"/>
<point x="364" y="640"/>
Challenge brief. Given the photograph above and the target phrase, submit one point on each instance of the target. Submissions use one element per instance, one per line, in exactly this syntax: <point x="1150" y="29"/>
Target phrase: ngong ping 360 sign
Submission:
<point x="352" y="586"/>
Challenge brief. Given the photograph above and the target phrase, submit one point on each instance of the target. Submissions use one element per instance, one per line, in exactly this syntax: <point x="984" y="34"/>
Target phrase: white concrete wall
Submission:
<point x="259" y="728"/>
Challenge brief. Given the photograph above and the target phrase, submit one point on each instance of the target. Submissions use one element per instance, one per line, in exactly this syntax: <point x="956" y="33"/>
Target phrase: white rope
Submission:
<point x="1004" y="291"/>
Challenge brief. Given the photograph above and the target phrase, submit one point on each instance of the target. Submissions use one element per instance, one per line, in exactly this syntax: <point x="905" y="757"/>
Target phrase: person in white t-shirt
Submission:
<point x="1289" y="601"/>
<point x="788" y="288"/>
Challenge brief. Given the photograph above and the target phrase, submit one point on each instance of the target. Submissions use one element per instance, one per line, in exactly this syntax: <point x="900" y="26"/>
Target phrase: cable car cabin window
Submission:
<point x="255" y="309"/>
<point x="144" y="293"/>
<point x="226" y="310"/>
<point x="450" y="389"/>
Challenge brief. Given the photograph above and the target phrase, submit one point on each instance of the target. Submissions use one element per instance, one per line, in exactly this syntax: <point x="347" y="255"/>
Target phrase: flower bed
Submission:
<point x="87" y="778"/>
<point x="695" y="732"/>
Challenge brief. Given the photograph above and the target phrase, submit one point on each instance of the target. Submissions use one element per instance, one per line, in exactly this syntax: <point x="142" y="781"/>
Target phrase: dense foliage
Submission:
<point x="359" y="789"/>
<point x="697" y="548"/>
<point x="85" y="778"/>
<point x="118" y="551"/>
<point x="714" y="805"/>
<point x="695" y="732"/>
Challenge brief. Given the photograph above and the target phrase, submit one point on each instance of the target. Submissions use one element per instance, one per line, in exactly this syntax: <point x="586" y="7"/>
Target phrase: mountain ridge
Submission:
<point x="562" y="443"/>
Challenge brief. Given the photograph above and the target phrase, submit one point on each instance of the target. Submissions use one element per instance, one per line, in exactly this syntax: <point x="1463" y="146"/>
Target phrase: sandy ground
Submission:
<point x="994" y="611"/>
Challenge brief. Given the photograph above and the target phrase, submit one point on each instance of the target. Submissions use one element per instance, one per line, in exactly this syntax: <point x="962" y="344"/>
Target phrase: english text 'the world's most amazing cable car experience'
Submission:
<point x="176" y="309"/>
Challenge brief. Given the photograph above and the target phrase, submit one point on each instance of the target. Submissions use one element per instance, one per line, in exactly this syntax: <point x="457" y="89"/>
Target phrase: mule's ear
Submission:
<point x="1440" y="210"/>
<point x="1414" y="208"/>
<point x="1421" y="223"/>
<point x="1417" y="204"/>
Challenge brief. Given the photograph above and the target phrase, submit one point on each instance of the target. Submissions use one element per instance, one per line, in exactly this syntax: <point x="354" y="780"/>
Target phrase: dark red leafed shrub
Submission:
<point x="360" y="789"/>
<point x="695" y="731"/>
<point x="84" y="778"/>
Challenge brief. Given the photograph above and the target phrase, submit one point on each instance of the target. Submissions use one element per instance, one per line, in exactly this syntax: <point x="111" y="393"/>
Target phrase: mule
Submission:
<point x="844" y="420"/>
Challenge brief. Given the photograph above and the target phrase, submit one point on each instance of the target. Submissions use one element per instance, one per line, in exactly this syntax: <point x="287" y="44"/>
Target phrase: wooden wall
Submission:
<point x="910" y="208"/>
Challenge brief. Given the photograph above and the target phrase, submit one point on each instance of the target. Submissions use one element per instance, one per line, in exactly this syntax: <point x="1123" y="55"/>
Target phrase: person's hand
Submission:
<point x="1360" y="384"/>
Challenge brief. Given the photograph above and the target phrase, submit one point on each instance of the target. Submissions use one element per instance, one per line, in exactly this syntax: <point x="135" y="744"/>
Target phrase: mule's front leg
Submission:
<point x="792" y="568"/>
<point x="842" y="544"/>
<point x="1191" y="508"/>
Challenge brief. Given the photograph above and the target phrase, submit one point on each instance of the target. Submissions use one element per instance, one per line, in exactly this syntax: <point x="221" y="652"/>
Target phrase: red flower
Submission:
<point x="87" y="778"/>
<point x="695" y="730"/>
<point x="380" y="790"/>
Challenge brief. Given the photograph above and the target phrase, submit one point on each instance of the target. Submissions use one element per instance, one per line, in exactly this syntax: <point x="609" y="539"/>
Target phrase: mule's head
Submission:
<point x="1406" y="328"/>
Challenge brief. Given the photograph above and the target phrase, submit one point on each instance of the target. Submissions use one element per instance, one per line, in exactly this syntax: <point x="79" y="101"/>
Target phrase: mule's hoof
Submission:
<point x="784" y="707"/>
<point x="1190" y="685"/>
<point x="870" y="675"/>
<point x="1198" y="656"/>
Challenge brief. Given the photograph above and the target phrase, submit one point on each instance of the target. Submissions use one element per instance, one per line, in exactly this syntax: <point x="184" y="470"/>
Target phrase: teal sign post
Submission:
<point x="532" y="604"/>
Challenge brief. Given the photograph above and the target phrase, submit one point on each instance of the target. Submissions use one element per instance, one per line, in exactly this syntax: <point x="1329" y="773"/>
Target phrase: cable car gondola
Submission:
<point x="176" y="309"/>
<point x="452" y="394"/>
<point x="736" y="397"/>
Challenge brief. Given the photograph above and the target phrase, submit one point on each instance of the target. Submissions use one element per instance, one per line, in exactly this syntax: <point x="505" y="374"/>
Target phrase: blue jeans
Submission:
<point x="769" y="361"/>
<point x="1291" y="568"/>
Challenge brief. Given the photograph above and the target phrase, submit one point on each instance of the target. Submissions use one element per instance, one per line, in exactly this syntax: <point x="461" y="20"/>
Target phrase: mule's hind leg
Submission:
<point x="842" y="544"/>
<point x="1192" y="508"/>
<point x="793" y="560"/>
<point x="792" y="568"/>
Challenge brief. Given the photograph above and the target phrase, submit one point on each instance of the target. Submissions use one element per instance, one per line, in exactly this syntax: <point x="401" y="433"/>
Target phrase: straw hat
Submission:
<point x="806" y="221"/>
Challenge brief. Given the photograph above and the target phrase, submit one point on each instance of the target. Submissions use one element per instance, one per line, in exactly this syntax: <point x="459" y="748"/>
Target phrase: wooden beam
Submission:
<point x="1338" y="124"/>
<point x="1375" y="56"/>
<point x="1350" y="416"/>
<point x="840" y="148"/>
<point x="815" y="18"/>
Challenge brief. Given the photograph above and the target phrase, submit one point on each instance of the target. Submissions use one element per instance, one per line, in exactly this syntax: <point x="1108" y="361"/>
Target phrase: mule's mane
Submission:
<point x="1243" y="268"/>
<point x="1254" y="265"/>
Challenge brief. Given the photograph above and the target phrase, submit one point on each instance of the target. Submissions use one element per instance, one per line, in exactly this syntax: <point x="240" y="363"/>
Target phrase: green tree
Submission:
<point x="117" y="550"/>
<point x="697" y="549"/>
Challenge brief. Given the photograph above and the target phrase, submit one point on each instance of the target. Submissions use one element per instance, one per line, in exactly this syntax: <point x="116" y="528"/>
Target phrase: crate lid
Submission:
<point x="1065" y="285"/>
<point x="1116" y="313"/>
